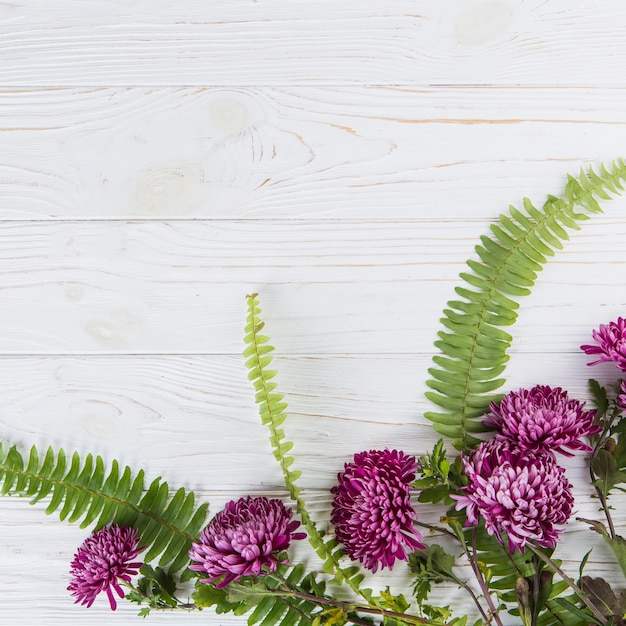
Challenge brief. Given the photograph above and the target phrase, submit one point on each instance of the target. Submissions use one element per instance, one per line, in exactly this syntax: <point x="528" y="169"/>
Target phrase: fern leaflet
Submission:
<point x="474" y="345"/>
<point x="83" y="490"/>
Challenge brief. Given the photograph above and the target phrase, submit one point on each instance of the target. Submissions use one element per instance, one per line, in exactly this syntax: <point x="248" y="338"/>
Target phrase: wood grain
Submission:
<point x="297" y="153"/>
<point x="155" y="42"/>
<point x="167" y="413"/>
<point x="326" y="287"/>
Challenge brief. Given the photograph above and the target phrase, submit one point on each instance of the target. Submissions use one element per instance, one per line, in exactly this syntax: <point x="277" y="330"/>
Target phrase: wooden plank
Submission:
<point x="166" y="413"/>
<point x="326" y="287"/>
<point x="300" y="152"/>
<point x="155" y="42"/>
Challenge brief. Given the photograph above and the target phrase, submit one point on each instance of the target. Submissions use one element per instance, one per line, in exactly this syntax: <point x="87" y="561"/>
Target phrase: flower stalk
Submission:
<point x="473" y="558"/>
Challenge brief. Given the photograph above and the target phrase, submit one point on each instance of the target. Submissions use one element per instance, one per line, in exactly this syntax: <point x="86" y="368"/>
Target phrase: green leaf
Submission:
<point x="84" y="491"/>
<point x="430" y="565"/>
<point x="605" y="468"/>
<point x="523" y="601"/>
<point x="501" y="568"/>
<point x="599" y="396"/>
<point x="208" y="595"/>
<point x="570" y="607"/>
<point x="602" y="596"/>
<point x="510" y="260"/>
<point x="617" y="544"/>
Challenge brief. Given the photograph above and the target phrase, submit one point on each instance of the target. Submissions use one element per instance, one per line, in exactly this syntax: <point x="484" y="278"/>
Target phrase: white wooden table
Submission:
<point x="160" y="160"/>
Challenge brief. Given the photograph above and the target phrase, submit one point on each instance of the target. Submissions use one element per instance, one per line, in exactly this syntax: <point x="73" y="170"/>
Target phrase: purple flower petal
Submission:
<point x="519" y="493"/>
<point x="543" y="418"/>
<point x="610" y="343"/>
<point x="244" y="537"/>
<point x="102" y="561"/>
<point x="371" y="511"/>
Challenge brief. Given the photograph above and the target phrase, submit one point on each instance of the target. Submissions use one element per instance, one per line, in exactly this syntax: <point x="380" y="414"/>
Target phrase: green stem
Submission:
<point x="575" y="588"/>
<point x="458" y="536"/>
<point x="290" y="590"/>
<point x="474" y="597"/>
<point x="350" y="607"/>
<point x="435" y="528"/>
<point x="601" y="495"/>
<point x="493" y="611"/>
<point x="604" y="504"/>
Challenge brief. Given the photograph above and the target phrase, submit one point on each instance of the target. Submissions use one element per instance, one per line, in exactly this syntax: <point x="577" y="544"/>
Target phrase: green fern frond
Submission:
<point x="503" y="569"/>
<point x="272" y="409"/>
<point x="270" y="601"/>
<point x="84" y="490"/>
<point x="473" y="343"/>
<point x="559" y="612"/>
<point x="282" y="610"/>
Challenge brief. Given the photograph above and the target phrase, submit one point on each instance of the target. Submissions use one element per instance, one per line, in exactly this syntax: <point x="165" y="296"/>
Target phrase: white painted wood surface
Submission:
<point x="159" y="161"/>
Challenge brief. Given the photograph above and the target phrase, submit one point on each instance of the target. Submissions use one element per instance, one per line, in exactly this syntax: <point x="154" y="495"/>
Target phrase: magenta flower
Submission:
<point x="371" y="511"/>
<point x="242" y="539"/>
<point x="611" y="343"/>
<point x="520" y="493"/>
<point x="543" y="418"/>
<point x="104" y="559"/>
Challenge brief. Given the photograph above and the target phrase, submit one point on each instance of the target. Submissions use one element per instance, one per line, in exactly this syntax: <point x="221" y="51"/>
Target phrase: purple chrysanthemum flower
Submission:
<point x="519" y="493"/>
<point x="244" y="537"/>
<point x="611" y="343"/>
<point x="102" y="562"/>
<point x="543" y="418"/>
<point x="371" y="512"/>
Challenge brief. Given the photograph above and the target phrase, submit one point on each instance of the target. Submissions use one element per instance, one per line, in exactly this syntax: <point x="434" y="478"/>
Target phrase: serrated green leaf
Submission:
<point x="510" y="260"/>
<point x="85" y="492"/>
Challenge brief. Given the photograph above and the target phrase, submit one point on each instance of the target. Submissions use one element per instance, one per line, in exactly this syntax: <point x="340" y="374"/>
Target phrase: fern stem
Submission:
<point x="272" y="419"/>
<point x="275" y="436"/>
<point x="510" y="261"/>
<point x="299" y="611"/>
<point x="92" y="492"/>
